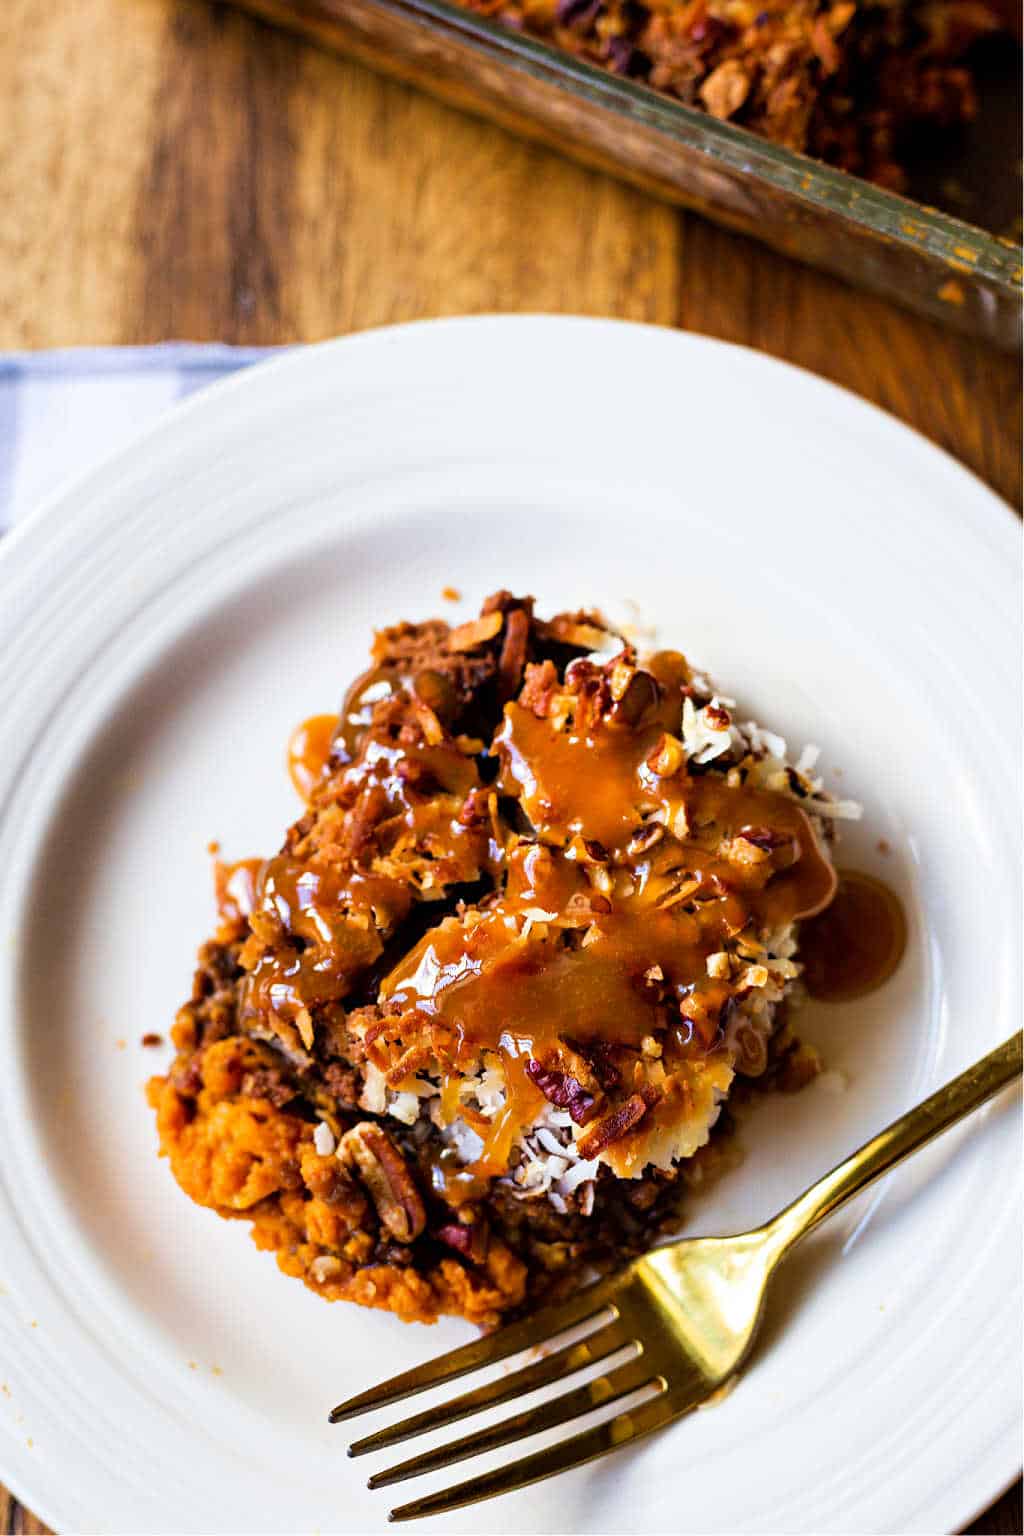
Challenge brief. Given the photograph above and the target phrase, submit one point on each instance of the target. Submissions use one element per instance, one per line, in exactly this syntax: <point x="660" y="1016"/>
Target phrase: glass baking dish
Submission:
<point x="920" y="257"/>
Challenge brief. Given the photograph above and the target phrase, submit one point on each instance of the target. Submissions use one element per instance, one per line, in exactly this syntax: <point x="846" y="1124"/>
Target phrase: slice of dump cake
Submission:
<point x="470" y="1030"/>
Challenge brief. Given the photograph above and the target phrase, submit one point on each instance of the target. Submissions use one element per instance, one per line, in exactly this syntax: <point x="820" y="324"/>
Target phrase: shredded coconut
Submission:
<point x="323" y="1139"/>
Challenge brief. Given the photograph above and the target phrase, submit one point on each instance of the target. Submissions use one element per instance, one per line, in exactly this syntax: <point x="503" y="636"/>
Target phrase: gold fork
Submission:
<point x="687" y="1313"/>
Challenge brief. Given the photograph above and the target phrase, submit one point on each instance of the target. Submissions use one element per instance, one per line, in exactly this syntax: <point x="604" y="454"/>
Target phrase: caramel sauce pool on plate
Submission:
<point x="856" y="943"/>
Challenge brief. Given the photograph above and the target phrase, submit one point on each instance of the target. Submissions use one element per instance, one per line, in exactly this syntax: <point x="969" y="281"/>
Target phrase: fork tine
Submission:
<point x="610" y="1436"/>
<point x="555" y="1367"/>
<point x="486" y="1351"/>
<point x="594" y="1394"/>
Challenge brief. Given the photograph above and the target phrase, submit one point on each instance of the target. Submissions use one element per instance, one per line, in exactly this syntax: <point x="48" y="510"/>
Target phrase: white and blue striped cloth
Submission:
<point x="62" y="412"/>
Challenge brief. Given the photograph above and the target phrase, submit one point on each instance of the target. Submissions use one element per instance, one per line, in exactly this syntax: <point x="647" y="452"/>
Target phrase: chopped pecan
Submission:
<point x="539" y="688"/>
<point x="437" y="692"/>
<point x="582" y="12"/>
<point x="702" y="1010"/>
<point x="646" y="837"/>
<point x="328" y="1181"/>
<point x="667" y="757"/>
<point x="726" y="89"/>
<point x="754" y="843"/>
<point x="763" y="837"/>
<point x="328" y="1267"/>
<point x="471" y="1240"/>
<point x="643" y="1194"/>
<point x="513" y="654"/>
<point x="563" y="1091"/>
<point x="590" y="685"/>
<point x="616" y="1123"/>
<point x="796" y="784"/>
<point x="578" y="12"/>
<point x="621" y="674"/>
<point x="718" y="718"/>
<point x="597" y="1054"/>
<point x="503" y="601"/>
<point x="640" y="696"/>
<point x="751" y="1051"/>
<point x="290" y="1174"/>
<point x="428" y="722"/>
<point x="371" y="1154"/>
<point x="583" y="907"/>
<point x="823" y="41"/>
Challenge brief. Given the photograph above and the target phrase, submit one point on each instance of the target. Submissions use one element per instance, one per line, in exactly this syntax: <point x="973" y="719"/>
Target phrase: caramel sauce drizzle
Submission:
<point x="309" y="751"/>
<point x="234" y="890"/>
<point x="512" y="986"/>
<point x="634" y="871"/>
<point x="320" y="920"/>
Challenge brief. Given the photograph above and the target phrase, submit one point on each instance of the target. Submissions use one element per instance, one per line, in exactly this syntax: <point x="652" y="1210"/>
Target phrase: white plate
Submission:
<point x="166" y="622"/>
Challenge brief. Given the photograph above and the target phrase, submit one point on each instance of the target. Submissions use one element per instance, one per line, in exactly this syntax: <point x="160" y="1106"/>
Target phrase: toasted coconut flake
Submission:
<point x="807" y="760"/>
<point x="323" y="1139"/>
<point x="374" y="1095"/>
<point x="840" y="810"/>
<point x="581" y="1172"/>
<point x="304" y="1024"/>
<point x="477" y="632"/>
<point x="587" y="636"/>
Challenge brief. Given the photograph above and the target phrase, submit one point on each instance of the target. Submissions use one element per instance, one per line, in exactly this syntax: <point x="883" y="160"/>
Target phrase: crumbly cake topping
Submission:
<point x="617" y="869"/>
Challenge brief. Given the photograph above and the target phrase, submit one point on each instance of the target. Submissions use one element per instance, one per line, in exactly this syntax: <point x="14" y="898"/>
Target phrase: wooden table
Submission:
<point x="172" y="169"/>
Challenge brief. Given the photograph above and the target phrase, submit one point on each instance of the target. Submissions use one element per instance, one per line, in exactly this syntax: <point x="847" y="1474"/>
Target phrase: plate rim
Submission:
<point x="36" y="524"/>
<point x="298" y="356"/>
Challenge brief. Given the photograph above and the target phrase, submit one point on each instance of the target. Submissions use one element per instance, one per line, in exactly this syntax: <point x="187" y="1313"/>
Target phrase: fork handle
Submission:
<point x="911" y="1131"/>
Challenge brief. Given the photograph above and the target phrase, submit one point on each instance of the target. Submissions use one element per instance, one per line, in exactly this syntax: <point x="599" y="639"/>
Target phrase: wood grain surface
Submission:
<point x="170" y="168"/>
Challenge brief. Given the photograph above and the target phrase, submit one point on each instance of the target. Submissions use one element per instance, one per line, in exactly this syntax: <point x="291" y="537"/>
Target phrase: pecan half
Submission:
<point x="379" y="1165"/>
